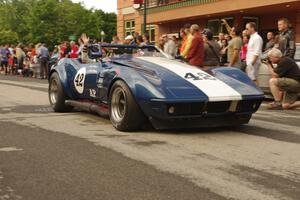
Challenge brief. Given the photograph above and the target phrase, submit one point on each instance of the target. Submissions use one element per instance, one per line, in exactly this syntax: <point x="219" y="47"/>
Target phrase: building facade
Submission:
<point x="168" y="16"/>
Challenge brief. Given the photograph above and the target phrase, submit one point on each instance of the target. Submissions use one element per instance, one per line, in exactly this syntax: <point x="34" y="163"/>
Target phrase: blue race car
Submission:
<point x="132" y="84"/>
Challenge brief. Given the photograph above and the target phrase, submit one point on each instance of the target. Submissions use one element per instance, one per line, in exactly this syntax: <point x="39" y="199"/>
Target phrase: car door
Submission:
<point x="85" y="80"/>
<point x="104" y="78"/>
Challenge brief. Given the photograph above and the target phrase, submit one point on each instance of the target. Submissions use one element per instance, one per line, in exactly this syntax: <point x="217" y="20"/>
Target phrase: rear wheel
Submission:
<point x="57" y="96"/>
<point x="124" y="112"/>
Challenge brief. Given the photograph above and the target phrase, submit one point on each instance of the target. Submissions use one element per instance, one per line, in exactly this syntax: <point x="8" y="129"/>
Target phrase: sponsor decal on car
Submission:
<point x="93" y="93"/>
<point x="79" y="80"/>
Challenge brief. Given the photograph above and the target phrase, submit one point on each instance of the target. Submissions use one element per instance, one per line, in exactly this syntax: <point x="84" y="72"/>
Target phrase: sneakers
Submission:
<point x="276" y="105"/>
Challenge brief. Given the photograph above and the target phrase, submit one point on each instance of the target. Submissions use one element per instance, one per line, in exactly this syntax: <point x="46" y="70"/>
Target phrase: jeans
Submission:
<point x="44" y="68"/>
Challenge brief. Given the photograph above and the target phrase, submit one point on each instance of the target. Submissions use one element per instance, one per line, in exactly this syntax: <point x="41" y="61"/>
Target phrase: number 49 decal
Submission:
<point x="79" y="80"/>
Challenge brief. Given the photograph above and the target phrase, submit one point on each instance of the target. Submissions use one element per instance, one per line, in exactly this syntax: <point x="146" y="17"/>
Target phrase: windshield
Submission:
<point x="134" y="51"/>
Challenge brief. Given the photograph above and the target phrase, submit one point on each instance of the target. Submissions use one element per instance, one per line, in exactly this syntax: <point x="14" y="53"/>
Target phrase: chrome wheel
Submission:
<point x="118" y="104"/>
<point x="125" y="114"/>
<point x="53" y="92"/>
<point x="56" y="94"/>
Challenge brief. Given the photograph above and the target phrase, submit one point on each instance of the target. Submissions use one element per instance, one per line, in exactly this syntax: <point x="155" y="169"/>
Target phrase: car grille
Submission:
<point x="186" y="108"/>
<point x="218" y="107"/>
<point x="248" y="105"/>
<point x="200" y="108"/>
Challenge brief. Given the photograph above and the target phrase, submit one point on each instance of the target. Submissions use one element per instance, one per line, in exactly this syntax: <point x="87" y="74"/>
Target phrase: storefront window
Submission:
<point x="129" y="27"/>
<point x="152" y="35"/>
<point x="150" y="30"/>
<point x="215" y="25"/>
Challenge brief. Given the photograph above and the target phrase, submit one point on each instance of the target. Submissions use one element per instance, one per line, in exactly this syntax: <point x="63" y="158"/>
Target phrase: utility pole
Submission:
<point x="145" y="15"/>
<point x="137" y="4"/>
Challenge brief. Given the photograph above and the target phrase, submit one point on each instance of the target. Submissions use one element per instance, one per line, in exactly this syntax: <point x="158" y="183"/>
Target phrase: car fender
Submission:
<point x="239" y="81"/>
<point x="60" y="69"/>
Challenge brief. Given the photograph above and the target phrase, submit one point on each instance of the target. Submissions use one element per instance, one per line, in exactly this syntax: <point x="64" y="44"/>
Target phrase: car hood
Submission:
<point x="179" y="80"/>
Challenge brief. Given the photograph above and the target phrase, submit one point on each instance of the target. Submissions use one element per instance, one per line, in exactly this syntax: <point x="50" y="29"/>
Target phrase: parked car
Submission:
<point x="264" y="73"/>
<point x="132" y="84"/>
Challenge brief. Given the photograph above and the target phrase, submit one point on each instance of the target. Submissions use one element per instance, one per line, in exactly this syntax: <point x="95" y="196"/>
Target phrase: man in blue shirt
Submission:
<point x="4" y="53"/>
<point x="44" y="56"/>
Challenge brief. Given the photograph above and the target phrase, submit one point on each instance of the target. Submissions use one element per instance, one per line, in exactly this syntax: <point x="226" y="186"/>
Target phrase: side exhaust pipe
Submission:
<point x="88" y="107"/>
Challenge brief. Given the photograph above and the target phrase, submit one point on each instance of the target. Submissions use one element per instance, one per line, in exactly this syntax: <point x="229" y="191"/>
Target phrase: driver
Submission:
<point x="84" y="50"/>
<point x="84" y="40"/>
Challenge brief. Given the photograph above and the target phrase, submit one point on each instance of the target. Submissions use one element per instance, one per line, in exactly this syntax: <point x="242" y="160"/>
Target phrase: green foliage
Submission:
<point x="8" y="37"/>
<point x="51" y="21"/>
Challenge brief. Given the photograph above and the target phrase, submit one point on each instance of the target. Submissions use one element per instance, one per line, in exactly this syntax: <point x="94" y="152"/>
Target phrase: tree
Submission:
<point x="8" y="37"/>
<point x="52" y="21"/>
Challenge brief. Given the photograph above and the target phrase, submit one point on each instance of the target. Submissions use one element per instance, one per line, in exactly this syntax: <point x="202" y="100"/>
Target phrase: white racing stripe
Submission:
<point x="215" y="89"/>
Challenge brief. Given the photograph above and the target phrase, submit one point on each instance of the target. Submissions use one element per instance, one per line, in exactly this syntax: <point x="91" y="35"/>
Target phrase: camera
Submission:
<point x="266" y="61"/>
<point x="265" y="58"/>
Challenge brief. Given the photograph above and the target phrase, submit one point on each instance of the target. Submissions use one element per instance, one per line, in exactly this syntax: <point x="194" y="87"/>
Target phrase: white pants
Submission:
<point x="252" y="71"/>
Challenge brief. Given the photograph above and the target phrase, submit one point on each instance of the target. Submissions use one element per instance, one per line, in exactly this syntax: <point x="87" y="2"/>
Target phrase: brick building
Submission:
<point x="168" y="16"/>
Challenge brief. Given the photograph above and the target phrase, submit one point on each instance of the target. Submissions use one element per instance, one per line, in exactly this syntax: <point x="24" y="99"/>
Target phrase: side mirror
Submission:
<point x="95" y="51"/>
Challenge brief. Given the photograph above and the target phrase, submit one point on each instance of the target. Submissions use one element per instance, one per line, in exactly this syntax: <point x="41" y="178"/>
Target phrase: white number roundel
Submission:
<point x="79" y="80"/>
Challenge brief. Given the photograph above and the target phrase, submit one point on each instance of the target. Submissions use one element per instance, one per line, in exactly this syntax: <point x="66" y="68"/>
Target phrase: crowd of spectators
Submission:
<point x="33" y="60"/>
<point x="246" y="51"/>
<point x="236" y="48"/>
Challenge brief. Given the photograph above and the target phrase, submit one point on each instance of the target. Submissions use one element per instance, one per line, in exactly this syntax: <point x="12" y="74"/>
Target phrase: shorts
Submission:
<point x="291" y="89"/>
<point x="252" y="71"/>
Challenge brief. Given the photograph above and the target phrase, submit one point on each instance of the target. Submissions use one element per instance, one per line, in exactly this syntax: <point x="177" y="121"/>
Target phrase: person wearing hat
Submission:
<point x="211" y="49"/>
<point x="130" y="40"/>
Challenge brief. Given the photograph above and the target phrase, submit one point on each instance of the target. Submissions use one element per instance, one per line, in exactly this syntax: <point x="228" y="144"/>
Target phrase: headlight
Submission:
<point x="171" y="110"/>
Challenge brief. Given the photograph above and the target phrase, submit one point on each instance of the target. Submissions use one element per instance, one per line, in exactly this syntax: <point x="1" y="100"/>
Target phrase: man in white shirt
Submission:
<point x="254" y="51"/>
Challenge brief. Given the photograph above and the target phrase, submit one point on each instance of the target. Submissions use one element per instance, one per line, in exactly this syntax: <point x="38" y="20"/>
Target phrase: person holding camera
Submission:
<point x="285" y="81"/>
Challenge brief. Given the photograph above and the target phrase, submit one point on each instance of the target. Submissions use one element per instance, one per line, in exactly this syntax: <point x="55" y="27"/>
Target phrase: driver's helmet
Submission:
<point x="95" y="51"/>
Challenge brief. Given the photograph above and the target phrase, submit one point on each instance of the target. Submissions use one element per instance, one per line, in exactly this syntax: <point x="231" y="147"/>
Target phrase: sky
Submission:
<point x="105" y="5"/>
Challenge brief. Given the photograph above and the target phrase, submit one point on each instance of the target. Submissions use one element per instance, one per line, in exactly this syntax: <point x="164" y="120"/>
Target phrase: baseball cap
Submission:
<point x="206" y="31"/>
<point x="129" y="37"/>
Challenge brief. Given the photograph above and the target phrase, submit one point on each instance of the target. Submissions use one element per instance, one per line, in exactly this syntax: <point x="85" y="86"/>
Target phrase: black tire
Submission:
<point x="124" y="113"/>
<point x="57" y="96"/>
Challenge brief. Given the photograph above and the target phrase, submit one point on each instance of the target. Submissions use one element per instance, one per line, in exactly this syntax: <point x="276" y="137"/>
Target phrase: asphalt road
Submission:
<point x="63" y="156"/>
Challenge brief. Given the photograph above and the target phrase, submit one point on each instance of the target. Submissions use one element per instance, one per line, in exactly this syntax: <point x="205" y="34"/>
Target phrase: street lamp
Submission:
<point x="102" y="36"/>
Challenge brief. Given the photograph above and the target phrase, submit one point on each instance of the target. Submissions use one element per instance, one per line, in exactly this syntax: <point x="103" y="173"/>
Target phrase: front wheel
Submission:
<point x="124" y="112"/>
<point x="57" y="96"/>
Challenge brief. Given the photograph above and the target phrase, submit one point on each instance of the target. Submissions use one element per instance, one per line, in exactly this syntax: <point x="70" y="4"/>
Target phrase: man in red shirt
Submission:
<point x="196" y="53"/>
